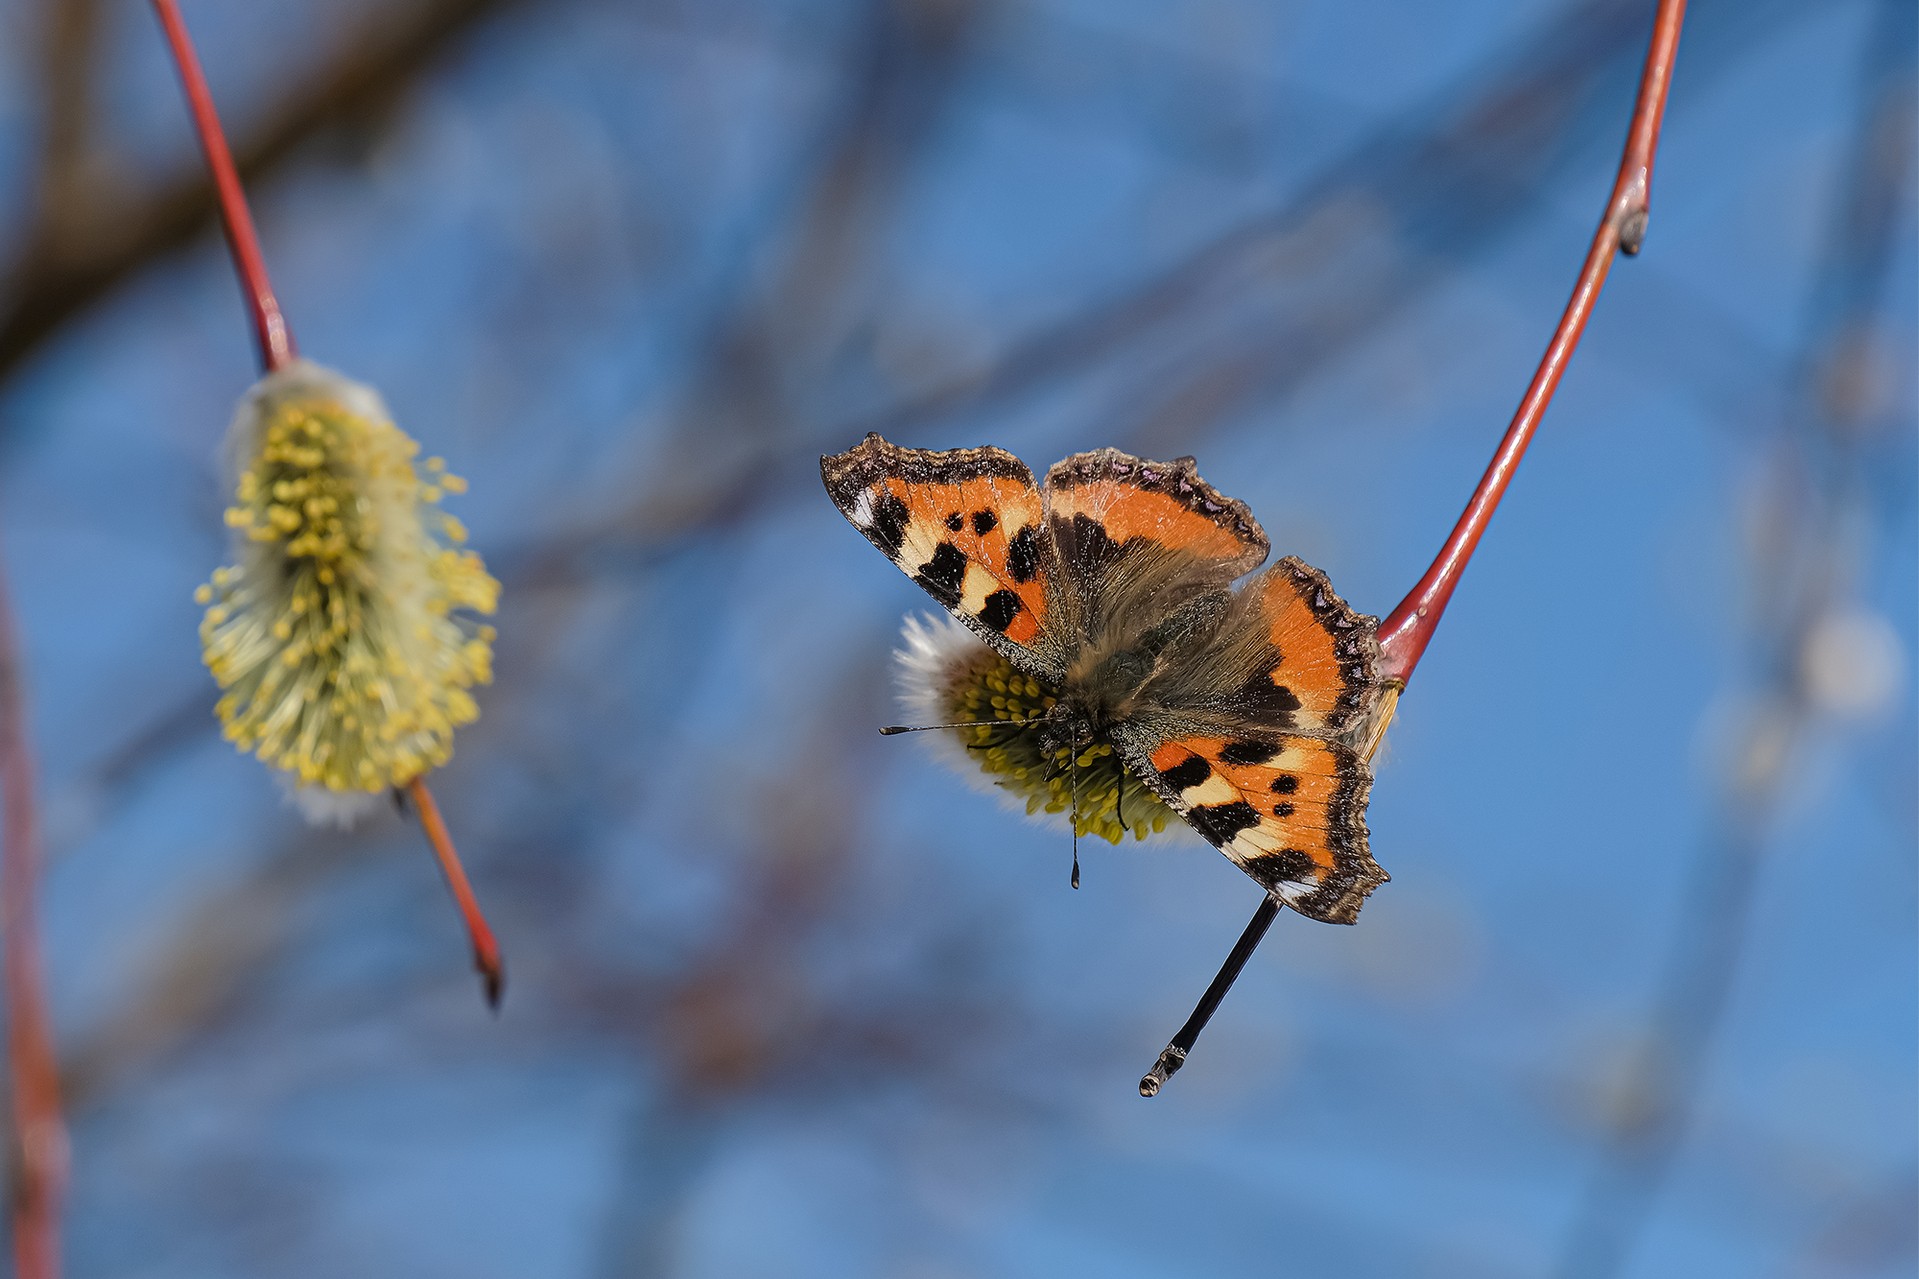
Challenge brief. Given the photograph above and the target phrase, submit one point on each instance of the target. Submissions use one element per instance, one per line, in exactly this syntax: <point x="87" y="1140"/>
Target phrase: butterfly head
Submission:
<point x="1020" y="735"/>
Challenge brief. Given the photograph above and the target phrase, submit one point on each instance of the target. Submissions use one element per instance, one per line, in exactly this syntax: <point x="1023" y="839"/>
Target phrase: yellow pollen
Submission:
<point x="343" y="640"/>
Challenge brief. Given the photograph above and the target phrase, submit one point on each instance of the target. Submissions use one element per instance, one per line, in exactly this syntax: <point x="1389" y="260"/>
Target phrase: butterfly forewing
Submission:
<point x="1129" y="499"/>
<point x="968" y="526"/>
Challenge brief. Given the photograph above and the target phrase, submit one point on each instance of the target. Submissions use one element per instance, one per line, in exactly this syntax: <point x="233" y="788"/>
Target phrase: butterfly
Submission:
<point x="1249" y="711"/>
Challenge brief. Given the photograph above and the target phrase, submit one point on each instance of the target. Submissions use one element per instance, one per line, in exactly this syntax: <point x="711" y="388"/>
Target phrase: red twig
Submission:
<point x="276" y="349"/>
<point x="486" y="952"/>
<point x="1403" y="636"/>
<point x="39" y="1130"/>
<point x="269" y="326"/>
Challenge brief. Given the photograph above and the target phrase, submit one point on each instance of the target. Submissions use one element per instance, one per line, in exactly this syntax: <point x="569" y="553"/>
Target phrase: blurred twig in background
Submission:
<point x="1812" y="654"/>
<point x="75" y="254"/>
<point x="39" y="1164"/>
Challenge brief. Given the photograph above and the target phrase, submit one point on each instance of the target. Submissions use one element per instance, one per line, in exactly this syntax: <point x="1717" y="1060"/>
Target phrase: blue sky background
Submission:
<point x="631" y="268"/>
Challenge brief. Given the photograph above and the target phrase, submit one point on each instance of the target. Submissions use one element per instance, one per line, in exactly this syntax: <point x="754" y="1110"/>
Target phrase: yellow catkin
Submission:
<point x="985" y="686"/>
<point x="343" y="641"/>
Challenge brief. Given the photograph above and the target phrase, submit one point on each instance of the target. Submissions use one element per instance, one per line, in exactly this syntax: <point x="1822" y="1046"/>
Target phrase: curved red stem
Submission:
<point x="269" y="326"/>
<point x="1404" y="634"/>
<point x="486" y="951"/>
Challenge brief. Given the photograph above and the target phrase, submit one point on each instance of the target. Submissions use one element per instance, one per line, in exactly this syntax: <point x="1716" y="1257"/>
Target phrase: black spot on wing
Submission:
<point x="1282" y="810"/>
<point x="1288" y="865"/>
<point x="944" y="576"/>
<point x="1220" y="822"/>
<point x="1022" y="554"/>
<point x="1190" y="771"/>
<point x="1085" y="543"/>
<point x="1271" y="702"/>
<point x="888" y="529"/>
<point x="999" y="610"/>
<point x="984" y="522"/>
<point x="1249" y="751"/>
<point x="1285" y="784"/>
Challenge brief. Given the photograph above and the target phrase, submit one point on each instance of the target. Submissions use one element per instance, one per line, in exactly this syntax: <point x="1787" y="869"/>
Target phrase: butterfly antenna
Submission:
<point x="927" y="728"/>
<point x="1075" y="772"/>
<point x="1175" y="1055"/>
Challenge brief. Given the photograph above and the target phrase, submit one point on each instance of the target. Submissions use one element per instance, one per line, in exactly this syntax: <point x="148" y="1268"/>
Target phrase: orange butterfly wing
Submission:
<point x="1133" y="500"/>
<point x="1323" y="653"/>
<point x="1259" y="746"/>
<point x="967" y="525"/>
<point x="1288" y="810"/>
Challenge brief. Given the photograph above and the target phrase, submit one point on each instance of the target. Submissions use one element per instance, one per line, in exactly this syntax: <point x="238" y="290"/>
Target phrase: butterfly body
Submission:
<point x="1244" y="710"/>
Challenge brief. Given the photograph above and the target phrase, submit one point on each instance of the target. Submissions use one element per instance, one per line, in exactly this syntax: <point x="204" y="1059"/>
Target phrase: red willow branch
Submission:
<point x="39" y="1131"/>
<point x="269" y="326"/>
<point x="1403" y="636"/>
<point x="276" y="352"/>
<point x="486" y="951"/>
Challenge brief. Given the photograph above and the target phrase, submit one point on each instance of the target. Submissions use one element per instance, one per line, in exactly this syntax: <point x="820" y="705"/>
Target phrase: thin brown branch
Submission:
<point x="1403" y="635"/>
<point x="377" y="60"/>
<point x="67" y="74"/>
<point x="41" y="1155"/>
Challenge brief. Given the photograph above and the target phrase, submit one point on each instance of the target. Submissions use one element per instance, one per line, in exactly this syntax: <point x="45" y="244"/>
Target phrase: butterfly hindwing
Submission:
<point x="1320" y="654"/>
<point x="1289" y="810"/>
<point x="967" y="525"/>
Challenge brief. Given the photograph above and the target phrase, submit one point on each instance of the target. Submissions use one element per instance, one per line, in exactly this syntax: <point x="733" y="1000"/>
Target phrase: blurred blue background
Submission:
<point x="787" y="999"/>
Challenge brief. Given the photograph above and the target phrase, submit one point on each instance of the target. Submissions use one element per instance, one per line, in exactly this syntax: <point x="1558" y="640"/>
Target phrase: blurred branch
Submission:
<point x="67" y="73"/>
<point x="54" y="278"/>
<point x="1455" y="174"/>
<point x="747" y="1022"/>
<point x="40" y="1149"/>
<point x="1802" y="571"/>
<point x="1451" y="175"/>
<point x="1872" y="1232"/>
<point x="737" y="410"/>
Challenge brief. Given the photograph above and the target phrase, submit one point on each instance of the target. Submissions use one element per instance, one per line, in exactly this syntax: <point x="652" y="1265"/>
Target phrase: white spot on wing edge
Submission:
<point x="863" y="508"/>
